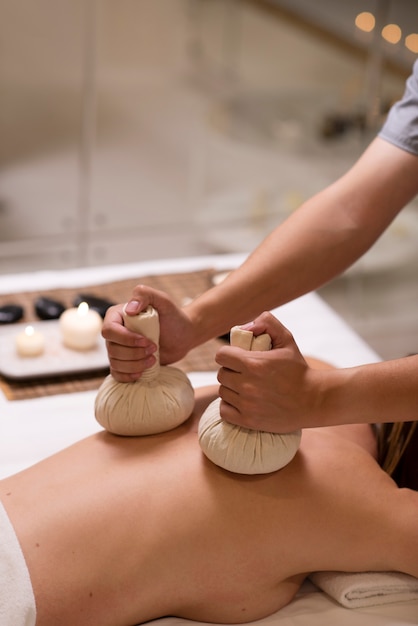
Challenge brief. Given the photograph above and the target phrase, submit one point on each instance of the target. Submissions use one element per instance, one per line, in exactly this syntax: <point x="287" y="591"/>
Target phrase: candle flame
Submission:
<point x="29" y="331"/>
<point x="83" y="309"/>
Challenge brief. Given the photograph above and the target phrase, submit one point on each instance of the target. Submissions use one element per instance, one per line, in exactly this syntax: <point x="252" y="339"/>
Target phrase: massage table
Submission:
<point x="35" y="427"/>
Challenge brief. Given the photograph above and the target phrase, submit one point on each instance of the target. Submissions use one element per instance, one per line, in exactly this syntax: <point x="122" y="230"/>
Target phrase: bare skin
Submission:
<point x="118" y="531"/>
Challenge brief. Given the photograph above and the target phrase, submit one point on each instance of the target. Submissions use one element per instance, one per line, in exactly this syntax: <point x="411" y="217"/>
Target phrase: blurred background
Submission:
<point x="142" y="129"/>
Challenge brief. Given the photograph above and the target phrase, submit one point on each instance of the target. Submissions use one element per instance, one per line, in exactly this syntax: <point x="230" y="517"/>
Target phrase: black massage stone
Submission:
<point x="10" y="313"/>
<point x="48" y="309"/>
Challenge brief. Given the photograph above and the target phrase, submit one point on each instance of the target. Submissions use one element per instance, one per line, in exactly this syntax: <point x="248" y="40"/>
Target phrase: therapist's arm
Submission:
<point x="277" y="391"/>
<point x="321" y="239"/>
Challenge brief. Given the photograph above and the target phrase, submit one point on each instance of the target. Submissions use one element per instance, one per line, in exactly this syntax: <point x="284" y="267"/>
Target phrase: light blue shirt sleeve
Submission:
<point x="401" y="125"/>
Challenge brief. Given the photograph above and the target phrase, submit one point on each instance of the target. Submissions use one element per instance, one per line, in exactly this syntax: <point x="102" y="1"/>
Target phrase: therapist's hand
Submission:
<point x="275" y="391"/>
<point x="129" y="353"/>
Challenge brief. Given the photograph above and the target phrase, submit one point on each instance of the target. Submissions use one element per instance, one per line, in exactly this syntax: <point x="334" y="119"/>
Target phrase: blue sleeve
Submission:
<point x="401" y="126"/>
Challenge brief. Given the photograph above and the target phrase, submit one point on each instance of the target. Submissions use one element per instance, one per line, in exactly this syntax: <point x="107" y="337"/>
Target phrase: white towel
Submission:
<point x="368" y="588"/>
<point x="17" y="602"/>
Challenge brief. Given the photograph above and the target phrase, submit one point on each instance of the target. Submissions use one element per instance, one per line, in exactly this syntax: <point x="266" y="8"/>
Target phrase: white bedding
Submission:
<point x="33" y="429"/>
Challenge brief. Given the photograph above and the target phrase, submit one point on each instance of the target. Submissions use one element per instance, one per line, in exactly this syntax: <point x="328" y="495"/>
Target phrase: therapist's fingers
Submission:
<point x="263" y="390"/>
<point x="278" y="403"/>
<point x="115" y="332"/>
<point x="118" y="336"/>
<point x="128" y="352"/>
<point x="248" y="387"/>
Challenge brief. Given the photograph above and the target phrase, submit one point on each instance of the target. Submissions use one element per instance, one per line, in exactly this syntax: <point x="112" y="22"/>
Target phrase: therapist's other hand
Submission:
<point x="275" y="391"/>
<point x="129" y="353"/>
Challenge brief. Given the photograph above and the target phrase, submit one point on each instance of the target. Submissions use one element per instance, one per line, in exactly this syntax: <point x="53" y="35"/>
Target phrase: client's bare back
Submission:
<point x="118" y="531"/>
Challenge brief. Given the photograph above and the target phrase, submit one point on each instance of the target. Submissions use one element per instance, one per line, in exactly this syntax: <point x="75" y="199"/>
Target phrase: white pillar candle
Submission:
<point x="30" y="342"/>
<point x="80" y="327"/>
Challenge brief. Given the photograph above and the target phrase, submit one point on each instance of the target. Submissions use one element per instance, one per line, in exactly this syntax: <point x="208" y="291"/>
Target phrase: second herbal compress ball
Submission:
<point x="242" y="450"/>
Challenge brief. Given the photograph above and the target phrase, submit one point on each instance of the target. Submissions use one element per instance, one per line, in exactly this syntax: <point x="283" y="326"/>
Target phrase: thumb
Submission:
<point x="143" y="296"/>
<point x="133" y="307"/>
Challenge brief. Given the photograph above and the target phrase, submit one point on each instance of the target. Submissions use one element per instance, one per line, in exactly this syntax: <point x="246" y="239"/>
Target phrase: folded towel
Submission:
<point x="17" y="602"/>
<point x="367" y="589"/>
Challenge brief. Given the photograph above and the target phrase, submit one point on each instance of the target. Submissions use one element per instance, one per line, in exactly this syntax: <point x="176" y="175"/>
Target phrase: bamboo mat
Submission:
<point x="179" y="287"/>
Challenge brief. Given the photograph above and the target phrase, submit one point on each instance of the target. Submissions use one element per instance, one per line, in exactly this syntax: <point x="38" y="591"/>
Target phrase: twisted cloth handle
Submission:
<point x="245" y="339"/>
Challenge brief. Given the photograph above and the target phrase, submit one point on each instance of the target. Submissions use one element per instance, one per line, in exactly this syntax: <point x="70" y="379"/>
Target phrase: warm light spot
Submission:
<point x="392" y="33"/>
<point x="365" y="21"/>
<point x="29" y="331"/>
<point x="411" y="42"/>
<point x="83" y="309"/>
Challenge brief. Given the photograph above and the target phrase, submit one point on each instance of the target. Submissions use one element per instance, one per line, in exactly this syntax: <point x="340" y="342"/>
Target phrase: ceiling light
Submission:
<point x="392" y="33"/>
<point x="365" y="21"/>
<point x="411" y="42"/>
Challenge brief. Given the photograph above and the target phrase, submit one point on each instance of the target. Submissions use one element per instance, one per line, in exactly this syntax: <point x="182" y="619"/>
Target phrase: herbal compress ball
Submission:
<point x="160" y="400"/>
<point x="238" y="449"/>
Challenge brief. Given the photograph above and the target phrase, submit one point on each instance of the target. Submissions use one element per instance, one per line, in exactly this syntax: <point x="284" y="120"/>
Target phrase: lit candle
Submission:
<point x="80" y="327"/>
<point x="30" y="342"/>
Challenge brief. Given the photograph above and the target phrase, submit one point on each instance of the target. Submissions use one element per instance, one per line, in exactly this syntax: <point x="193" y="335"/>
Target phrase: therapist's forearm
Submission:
<point x="303" y="253"/>
<point x="375" y="393"/>
<point x="320" y="240"/>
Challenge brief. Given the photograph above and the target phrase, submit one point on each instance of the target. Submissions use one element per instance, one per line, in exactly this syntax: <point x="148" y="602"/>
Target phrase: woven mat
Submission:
<point x="179" y="286"/>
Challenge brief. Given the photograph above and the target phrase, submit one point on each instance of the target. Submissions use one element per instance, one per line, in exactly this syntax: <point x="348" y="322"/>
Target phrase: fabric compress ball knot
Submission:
<point x="242" y="450"/>
<point x="160" y="400"/>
